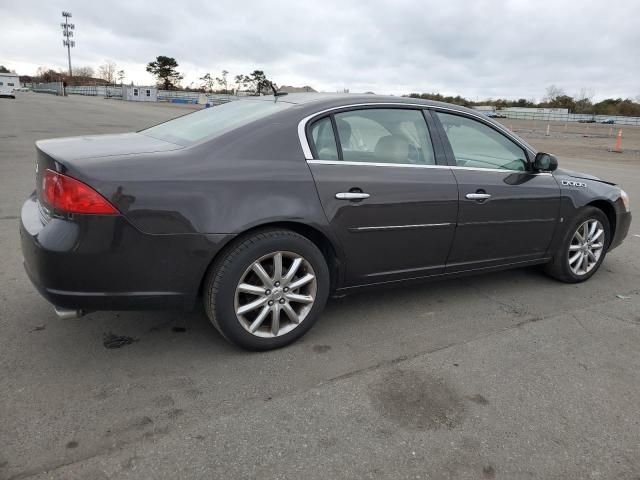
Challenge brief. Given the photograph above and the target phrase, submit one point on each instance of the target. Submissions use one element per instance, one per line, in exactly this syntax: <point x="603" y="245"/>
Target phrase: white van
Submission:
<point x="8" y="83"/>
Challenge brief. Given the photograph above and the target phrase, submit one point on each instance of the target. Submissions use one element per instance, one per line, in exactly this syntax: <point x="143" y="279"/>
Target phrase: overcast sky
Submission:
<point x="475" y="48"/>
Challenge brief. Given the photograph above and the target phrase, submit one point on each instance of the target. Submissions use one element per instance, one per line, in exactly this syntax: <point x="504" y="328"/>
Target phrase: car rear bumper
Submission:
<point x="96" y="262"/>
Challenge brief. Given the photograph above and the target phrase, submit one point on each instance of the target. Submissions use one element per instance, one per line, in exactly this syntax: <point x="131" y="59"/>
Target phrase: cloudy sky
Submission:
<point x="475" y="48"/>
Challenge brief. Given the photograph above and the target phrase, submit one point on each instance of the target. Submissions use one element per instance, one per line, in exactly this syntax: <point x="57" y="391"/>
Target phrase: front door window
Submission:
<point x="477" y="145"/>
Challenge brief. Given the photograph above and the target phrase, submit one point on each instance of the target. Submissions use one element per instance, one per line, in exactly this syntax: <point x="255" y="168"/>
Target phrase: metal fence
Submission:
<point x="172" y="96"/>
<point x="94" y="90"/>
<point x="55" y="88"/>
<point x="181" y="96"/>
<point x="570" y="117"/>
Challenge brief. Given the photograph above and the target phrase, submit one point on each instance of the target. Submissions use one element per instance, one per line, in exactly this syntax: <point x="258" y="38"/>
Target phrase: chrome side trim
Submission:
<point x="399" y="227"/>
<point x="374" y="164"/>
<point x="303" y="123"/>
<point x="503" y="222"/>
<point x="411" y="165"/>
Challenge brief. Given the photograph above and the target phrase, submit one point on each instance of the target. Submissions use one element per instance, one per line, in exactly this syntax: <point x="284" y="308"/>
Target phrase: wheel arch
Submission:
<point x="320" y="239"/>
<point x="609" y="210"/>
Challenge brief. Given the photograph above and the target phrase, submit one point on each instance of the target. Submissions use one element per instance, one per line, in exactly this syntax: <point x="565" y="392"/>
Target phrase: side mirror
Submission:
<point x="545" y="162"/>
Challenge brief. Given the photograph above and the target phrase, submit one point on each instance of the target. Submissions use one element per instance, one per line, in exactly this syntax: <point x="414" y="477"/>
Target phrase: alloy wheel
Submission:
<point x="586" y="247"/>
<point x="275" y="294"/>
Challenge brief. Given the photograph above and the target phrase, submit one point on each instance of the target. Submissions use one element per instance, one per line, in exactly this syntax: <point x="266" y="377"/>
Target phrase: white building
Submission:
<point x="554" y="111"/>
<point x="8" y="83"/>
<point x="139" y="94"/>
<point x="484" y="108"/>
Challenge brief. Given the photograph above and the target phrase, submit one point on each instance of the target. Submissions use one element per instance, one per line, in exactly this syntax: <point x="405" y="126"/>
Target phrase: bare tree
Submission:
<point x="120" y="76"/>
<point x="83" y="71"/>
<point x="552" y="92"/>
<point x="585" y="94"/>
<point x="222" y="80"/>
<point x="240" y="81"/>
<point x="107" y="71"/>
<point x="47" y="74"/>
<point x="583" y="101"/>
<point x="207" y="82"/>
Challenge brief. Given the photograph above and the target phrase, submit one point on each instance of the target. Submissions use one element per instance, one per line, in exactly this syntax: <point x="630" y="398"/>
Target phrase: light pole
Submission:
<point x="67" y="33"/>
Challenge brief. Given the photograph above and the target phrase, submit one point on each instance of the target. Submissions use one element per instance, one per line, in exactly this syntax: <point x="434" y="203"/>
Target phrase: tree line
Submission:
<point x="165" y="69"/>
<point x="555" y="97"/>
<point x="107" y="74"/>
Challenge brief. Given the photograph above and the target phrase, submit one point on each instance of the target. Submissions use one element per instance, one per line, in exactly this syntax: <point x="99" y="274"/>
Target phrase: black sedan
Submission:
<point x="264" y="207"/>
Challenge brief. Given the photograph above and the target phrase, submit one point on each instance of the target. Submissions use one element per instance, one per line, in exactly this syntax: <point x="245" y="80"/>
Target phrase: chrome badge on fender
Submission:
<point x="570" y="183"/>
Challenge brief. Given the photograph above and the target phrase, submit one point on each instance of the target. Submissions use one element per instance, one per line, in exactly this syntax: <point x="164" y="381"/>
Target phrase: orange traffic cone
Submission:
<point x="618" y="147"/>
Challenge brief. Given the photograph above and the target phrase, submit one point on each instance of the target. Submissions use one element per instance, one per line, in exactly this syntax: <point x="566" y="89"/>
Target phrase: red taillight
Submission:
<point x="70" y="195"/>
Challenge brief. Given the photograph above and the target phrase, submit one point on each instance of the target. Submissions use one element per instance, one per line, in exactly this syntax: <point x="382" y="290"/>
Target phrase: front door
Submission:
<point x="507" y="213"/>
<point x="391" y="205"/>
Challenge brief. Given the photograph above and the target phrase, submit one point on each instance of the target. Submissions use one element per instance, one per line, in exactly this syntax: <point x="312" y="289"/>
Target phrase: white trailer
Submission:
<point x="139" y="94"/>
<point x="9" y="82"/>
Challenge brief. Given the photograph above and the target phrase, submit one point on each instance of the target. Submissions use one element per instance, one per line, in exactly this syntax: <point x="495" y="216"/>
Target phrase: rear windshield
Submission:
<point x="213" y="122"/>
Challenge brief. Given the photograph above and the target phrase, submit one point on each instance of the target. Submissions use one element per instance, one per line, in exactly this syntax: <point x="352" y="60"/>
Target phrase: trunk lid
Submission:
<point x="75" y="155"/>
<point x="97" y="146"/>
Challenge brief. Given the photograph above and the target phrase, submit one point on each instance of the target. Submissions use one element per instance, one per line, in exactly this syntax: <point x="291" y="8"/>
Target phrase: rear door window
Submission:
<point x="385" y="135"/>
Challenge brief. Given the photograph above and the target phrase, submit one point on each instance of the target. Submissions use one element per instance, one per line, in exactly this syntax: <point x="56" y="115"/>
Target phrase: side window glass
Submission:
<point x="479" y="146"/>
<point x="385" y="135"/>
<point x="324" y="141"/>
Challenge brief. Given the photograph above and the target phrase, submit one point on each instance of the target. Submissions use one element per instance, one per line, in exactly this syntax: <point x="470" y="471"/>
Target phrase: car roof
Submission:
<point x="312" y="103"/>
<point x="331" y="100"/>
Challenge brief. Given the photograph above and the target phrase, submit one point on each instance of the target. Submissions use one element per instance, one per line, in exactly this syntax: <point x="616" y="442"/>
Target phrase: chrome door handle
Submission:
<point x="477" y="196"/>
<point x="352" y="195"/>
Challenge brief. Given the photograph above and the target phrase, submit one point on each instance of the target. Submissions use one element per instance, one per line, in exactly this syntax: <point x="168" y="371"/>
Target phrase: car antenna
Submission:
<point x="276" y="93"/>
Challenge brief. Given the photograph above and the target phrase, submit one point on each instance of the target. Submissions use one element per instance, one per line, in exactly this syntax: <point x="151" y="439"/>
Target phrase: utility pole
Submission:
<point x="67" y="33"/>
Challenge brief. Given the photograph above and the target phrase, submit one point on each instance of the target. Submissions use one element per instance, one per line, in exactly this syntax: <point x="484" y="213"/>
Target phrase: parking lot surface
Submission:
<point x="508" y="375"/>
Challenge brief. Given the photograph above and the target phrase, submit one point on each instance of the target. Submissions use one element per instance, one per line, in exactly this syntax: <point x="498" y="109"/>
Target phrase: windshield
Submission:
<point x="213" y="122"/>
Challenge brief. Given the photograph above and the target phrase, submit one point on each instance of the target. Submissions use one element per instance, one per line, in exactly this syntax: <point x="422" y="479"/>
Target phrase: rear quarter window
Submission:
<point x="212" y="122"/>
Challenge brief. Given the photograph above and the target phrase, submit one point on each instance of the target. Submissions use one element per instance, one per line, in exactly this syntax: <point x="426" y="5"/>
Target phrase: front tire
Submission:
<point x="583" y="247"/>
<point x="267" y="290"/>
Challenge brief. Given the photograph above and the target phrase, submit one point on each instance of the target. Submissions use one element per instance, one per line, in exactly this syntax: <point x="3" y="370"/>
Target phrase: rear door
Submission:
<point x="507" y="213"/>
<point x="391" y="204"/>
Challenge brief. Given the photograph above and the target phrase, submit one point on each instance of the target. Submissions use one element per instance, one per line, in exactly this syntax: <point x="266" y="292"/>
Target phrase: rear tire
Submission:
<point x="267" y="290"/>
<point x="569" y="264"/>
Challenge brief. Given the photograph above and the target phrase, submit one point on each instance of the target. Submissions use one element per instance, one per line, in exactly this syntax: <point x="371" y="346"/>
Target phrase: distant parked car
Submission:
<point x="587" y="120"/>
<point x="264" y="206"/>
<point x="609" y="121"/>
